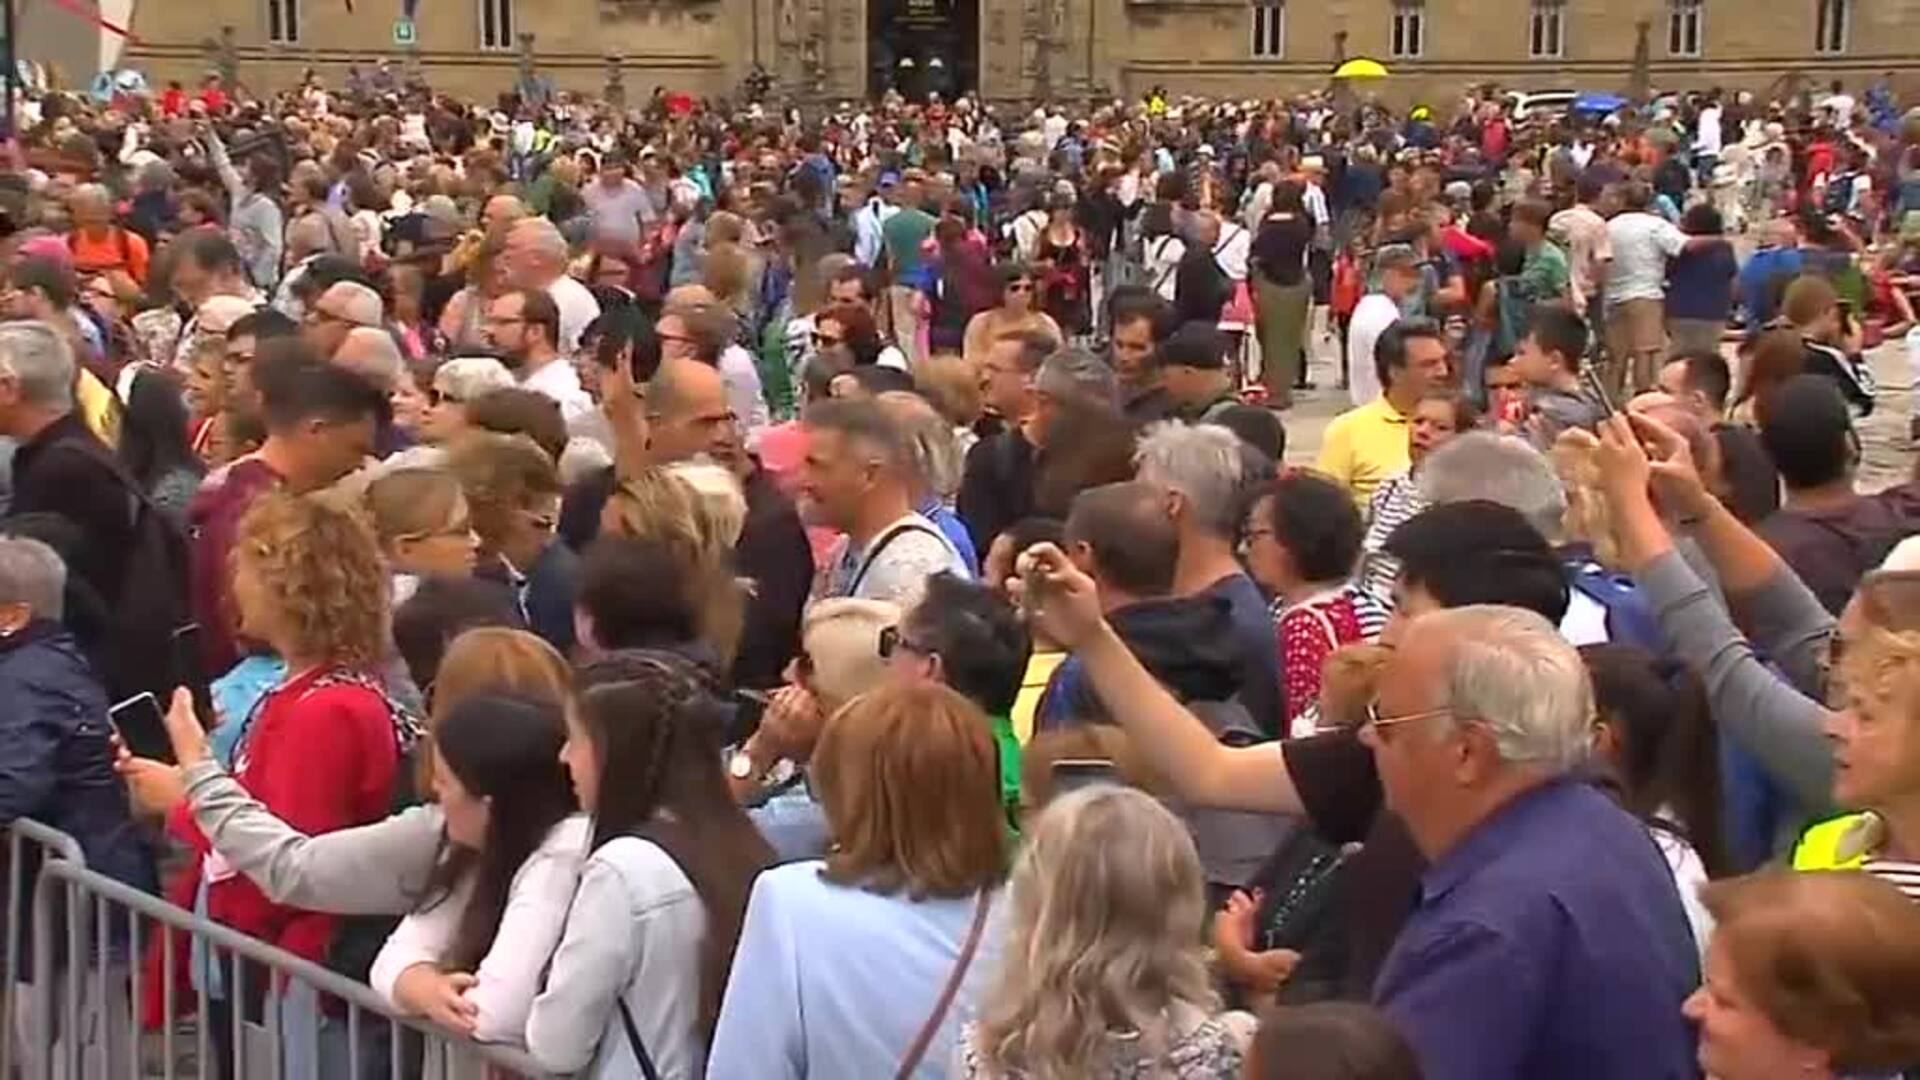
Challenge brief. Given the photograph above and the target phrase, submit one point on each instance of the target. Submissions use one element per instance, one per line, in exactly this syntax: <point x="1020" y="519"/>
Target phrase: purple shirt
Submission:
<point x="1550" y="942"/>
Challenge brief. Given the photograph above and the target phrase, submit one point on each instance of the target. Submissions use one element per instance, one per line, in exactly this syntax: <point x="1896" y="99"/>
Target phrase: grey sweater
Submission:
<point x="1780" y="721"/>
<point x="378" y="869"/>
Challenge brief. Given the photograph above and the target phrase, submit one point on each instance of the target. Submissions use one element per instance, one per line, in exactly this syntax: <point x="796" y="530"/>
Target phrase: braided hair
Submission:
<point x="656" y="725"/>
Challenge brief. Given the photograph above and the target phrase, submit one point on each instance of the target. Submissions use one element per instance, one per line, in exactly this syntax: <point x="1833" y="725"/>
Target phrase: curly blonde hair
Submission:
<point x="320" y="569"/>
<point x="1108" y="903"/>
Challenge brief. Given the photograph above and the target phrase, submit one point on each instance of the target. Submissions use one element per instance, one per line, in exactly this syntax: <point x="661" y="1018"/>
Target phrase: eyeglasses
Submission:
<point x="1375" y="721"/>
<point x="893" y="641"/>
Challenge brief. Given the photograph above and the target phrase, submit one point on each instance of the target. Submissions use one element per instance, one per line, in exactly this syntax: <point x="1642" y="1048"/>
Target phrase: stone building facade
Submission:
<point x="1031" y="49"/>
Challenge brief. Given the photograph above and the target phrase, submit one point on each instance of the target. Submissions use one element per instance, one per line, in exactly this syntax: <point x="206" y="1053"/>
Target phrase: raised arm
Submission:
<point x="1202" y="770"/>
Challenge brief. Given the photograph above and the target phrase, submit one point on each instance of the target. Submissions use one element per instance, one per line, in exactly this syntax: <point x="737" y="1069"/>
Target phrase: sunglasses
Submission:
<point x="892" y="641"/>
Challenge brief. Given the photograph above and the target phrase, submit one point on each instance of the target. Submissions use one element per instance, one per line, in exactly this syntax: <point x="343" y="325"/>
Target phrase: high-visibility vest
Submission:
<point x="1841" y="843"/>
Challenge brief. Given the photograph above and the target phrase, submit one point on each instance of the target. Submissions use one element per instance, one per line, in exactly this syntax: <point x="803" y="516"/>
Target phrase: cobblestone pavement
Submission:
<point x="1889" y="460"/>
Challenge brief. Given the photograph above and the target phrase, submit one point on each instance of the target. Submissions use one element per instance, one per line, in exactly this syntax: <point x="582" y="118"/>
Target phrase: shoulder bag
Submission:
<point x="928" y="1030"/>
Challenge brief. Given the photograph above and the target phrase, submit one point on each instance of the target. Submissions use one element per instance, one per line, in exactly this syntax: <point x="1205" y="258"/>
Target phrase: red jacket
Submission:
<point x="322" y="759"/>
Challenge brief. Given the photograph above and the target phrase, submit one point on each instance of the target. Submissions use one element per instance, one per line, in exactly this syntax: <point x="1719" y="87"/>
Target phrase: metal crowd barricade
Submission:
<point x="29" y="844"/>
<point x="273" y="1016"/>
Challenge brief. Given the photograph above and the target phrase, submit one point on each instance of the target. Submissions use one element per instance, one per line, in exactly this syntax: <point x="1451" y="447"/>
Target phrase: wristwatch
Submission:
<point x="740" y="765"/>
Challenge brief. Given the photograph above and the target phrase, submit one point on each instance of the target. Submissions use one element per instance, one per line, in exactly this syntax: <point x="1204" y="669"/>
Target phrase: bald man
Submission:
<point x="695" y="326"/>
<point x="371" y="353"/>
<point x="344" y="306"/>
<point x="535" y="257"/>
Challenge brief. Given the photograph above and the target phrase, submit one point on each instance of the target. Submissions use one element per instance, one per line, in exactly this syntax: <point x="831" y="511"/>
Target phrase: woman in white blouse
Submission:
<point x="470" y="956"/>
<point x="867" y="963"/>
<point x="651" y="931"/>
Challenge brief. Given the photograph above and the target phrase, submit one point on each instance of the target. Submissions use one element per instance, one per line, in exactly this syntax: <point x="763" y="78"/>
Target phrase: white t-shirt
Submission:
<point x="745" y="396"/>
<point x="1642" y="243"/>
<point x="1375" y="312"/>
<point x="1708" y="140"/>
<point x="561" y="382"/>
<point x="895" y="565"/>
<point x="577" y="309"/>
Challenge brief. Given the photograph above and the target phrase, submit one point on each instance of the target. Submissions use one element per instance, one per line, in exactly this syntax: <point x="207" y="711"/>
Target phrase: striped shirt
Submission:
<point x="1397" y="500"/>
<point x="1902" y="875"/>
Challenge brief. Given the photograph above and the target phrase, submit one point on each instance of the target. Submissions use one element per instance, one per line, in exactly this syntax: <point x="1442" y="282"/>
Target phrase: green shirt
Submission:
<point x="1009" y="745"/>
<point x="1546" y="274"/>
<point x="903" y="233"/>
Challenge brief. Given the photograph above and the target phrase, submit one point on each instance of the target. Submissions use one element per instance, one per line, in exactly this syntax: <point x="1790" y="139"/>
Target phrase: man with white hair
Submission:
<point x="535" y="257"/>
<point x="1204" y="472"/>
<point x="99" y="246"/>
<point x="1481" y="466"/>
<point x="63" y="471"/>
<point x="1549" y="939"/>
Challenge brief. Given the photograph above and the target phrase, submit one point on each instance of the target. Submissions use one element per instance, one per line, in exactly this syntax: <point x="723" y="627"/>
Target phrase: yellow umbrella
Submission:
<point x="1361" y="67"/>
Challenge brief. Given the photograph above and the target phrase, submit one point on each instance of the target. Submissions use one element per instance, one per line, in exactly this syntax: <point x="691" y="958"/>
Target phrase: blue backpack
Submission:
<point x="1630" y="619"/>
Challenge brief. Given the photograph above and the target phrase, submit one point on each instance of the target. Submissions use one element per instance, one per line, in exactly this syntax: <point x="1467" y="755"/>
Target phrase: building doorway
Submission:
<point x="920" y="47"/>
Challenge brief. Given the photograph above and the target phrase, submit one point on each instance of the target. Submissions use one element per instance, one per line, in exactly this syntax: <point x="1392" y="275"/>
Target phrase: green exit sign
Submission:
<point x="404" y="32"/>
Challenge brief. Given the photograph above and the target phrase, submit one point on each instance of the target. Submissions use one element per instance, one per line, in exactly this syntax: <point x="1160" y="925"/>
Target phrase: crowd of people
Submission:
<point x="707" y="591"/>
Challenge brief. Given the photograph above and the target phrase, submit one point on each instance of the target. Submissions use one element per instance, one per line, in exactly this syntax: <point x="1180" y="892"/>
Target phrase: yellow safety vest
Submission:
<point x="1841" y="843"/>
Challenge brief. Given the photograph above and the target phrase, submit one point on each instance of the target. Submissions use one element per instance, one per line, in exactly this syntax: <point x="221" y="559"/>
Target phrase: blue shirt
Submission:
<point x="1259" y="648"/>
<point x="1550" y="942"/>
<point x="1762" y="279"/>
<point x="1700" y="283"/>
<point x="953" y="529"/>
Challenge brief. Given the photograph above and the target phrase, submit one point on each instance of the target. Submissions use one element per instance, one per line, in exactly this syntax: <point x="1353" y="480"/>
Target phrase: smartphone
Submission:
<point x="187" y="668"/>
<point x="141" y="724"/>
<point x="1072" y="774"/>
<point x="749" y="707"/>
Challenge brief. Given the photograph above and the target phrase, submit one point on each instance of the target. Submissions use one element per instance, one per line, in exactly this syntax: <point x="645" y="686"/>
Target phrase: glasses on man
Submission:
<point x="1378" y="723"/>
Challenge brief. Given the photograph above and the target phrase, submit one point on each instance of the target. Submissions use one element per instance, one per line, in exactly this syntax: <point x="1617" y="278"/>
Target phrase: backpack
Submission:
<point x="1630" y="619"/>
<point x="144" y="650"/>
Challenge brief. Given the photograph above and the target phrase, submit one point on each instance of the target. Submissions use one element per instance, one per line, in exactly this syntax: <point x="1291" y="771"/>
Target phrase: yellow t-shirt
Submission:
<point x="1033" y="684"/>
<point x="98" y="408"/>
<point x="1365" y="446"/>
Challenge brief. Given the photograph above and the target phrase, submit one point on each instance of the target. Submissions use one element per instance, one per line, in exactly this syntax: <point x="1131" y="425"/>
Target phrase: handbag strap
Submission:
<point x="633" y="1040"/>
<point x="947" y="993"/>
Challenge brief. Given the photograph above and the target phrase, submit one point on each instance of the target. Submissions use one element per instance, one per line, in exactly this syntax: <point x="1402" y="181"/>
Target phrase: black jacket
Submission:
<point x="997" y="488"/>
<point x="58" y="765"/>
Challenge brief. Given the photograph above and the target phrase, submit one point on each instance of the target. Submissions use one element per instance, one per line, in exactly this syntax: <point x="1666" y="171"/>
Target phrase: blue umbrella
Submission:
<point x="1594" y="101"/>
